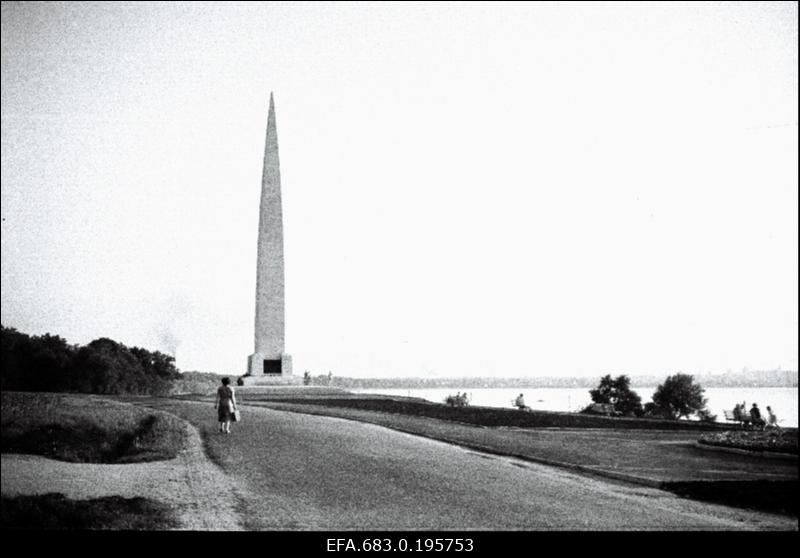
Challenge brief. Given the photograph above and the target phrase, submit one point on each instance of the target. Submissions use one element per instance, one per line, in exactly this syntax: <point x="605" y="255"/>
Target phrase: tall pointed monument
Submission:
<point x="270" y="363"/>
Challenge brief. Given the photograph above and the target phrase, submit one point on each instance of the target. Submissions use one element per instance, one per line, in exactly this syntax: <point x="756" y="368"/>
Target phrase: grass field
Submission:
<point x="83" y="428"/>
<point x="490" y="416"/>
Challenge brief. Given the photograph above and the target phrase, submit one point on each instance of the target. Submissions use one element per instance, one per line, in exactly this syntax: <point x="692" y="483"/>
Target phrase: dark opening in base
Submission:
<point x="272" y="367"/>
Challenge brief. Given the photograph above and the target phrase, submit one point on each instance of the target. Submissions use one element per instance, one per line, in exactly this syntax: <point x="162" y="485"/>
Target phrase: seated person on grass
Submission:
<point x="755" y="417"/>
<point x="519" y="402"/>
<point x="743" y="416"/>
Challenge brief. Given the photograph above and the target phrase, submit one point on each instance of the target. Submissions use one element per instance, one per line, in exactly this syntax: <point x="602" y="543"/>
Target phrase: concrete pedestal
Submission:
<point x="270" y="380"/>
<point x="260" y="365"/>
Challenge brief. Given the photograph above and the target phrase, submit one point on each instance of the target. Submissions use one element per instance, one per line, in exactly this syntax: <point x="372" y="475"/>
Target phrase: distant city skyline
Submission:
<point x="469" y="189"/>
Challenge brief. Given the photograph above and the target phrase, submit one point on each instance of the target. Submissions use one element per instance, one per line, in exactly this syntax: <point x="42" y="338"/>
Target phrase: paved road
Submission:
<point x="297" y="472"/>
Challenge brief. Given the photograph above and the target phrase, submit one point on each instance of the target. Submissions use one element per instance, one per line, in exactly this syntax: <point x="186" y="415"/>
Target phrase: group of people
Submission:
<point x="458" y="400"/>
<point x="754" y="417"/>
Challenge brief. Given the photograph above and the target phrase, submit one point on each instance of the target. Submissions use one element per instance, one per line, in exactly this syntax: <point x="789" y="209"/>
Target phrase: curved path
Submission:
<point x="303" y="472"/>
<point x="189" y="484"/>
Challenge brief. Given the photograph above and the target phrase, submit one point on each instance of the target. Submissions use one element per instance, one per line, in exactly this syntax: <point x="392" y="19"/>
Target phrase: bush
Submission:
<point x="651" y="410"/>
<point x="618" y="393"/>
<point x="197" y="383"/>
<point x="679" y="397"/>
<point x="706" y="416"/>
<point x="604" y="409"/>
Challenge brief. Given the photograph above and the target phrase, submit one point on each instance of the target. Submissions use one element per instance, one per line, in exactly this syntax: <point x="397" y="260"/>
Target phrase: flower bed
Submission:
<point x="772" y="441"/>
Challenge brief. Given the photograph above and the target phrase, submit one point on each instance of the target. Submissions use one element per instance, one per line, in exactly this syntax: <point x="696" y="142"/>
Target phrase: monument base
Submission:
<point x="249" y="393"/>
<point x="270" y="380"/>
<point x="270" y="370"/>
<point x="259" y="364"/>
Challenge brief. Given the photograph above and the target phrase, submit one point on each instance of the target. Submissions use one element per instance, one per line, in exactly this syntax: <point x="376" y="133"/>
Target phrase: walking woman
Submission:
<point x="225" y="405"/>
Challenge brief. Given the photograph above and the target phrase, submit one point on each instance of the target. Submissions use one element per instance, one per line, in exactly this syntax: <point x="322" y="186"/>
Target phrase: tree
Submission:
<point x="651" y="410"/>
<point x="49" y="363"/>
<point x="38" y="363"/>
<point x="617" y="392"/>
<point x="679" y="396"/>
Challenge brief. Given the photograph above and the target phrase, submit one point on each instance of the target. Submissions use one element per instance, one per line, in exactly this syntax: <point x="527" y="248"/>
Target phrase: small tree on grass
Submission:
<point x="679" y="396"/>
<point x="617" y="392"/>
<point x="706" y="416"/>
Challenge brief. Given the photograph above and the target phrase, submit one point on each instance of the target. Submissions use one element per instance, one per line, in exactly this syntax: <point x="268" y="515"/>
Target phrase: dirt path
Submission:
<point x="203" y="496"/>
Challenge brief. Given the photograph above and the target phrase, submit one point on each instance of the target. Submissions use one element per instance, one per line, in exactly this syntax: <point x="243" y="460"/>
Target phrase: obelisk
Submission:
<point x="269" y="359"/>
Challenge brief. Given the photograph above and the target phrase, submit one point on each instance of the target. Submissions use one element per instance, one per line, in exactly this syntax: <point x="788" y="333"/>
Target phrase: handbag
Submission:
<point x="236" y="416"/>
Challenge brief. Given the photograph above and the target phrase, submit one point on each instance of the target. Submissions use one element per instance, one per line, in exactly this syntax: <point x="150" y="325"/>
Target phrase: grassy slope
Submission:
<point x="489" y="416"/>
<point x="54" y="511"/>
<point x="83" y="428"/>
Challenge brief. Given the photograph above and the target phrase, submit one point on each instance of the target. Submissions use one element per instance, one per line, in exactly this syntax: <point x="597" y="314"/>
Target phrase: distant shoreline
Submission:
<point x="785" y="380"/>
<point x="756" y="379"/>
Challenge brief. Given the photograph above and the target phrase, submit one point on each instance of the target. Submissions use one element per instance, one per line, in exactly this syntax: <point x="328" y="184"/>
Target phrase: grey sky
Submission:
<point x="469" y="189"/>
